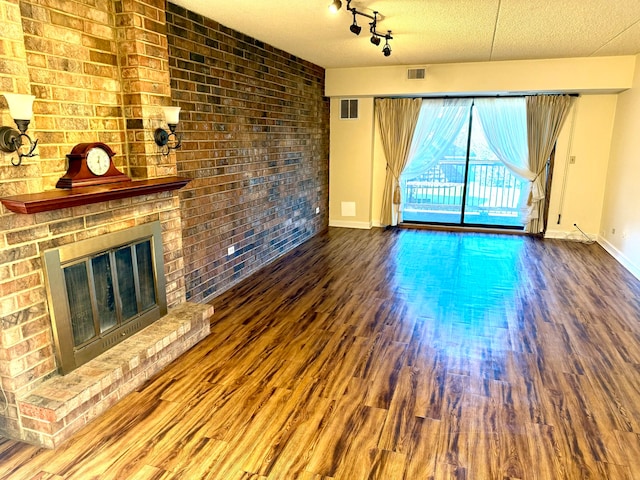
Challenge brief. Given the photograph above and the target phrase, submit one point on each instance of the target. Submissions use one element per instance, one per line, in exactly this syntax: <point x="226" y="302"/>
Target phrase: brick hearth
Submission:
<point x="62" y="405"/>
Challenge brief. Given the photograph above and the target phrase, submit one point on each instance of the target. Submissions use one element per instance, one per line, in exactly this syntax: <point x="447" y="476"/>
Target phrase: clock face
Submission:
<point x="98" y="161"/>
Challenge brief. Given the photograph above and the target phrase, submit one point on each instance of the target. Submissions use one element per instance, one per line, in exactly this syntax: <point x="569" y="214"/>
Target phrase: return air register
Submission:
<point x="416" y="73"/>
<point x="348" y="108"/>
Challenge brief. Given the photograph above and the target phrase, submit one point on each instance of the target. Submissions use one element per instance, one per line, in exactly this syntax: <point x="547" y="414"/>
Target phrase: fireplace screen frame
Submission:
<point x="68" y="355"/>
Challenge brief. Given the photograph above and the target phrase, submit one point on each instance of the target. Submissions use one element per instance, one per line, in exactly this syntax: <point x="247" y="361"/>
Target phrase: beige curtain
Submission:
<point x="397" y="119"/>
<point x="545" y="117"/>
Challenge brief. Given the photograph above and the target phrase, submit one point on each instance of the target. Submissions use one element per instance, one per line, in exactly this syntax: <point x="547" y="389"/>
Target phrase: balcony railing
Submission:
<point x="493" y="194"/>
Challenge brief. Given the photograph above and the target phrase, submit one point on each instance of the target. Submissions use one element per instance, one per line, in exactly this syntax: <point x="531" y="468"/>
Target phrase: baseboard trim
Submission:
<point x="573" y="235"/>
<point x="350" y="224"/>
<point x="560" y="234"/>
<point x="620" y="257"/>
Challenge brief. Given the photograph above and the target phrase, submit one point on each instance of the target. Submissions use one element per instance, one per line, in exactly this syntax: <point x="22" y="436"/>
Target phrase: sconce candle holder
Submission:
<point x="11" y="140"/>
<point x="162" y="137"/>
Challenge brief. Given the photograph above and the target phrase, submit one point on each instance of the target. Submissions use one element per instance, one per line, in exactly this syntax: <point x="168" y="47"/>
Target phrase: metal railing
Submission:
<point x="492" y="189"/>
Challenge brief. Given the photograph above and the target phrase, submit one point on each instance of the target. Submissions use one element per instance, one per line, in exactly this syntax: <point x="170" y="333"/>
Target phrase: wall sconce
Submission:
<point x="11" y="140"/>
<point x="162" y="137"/>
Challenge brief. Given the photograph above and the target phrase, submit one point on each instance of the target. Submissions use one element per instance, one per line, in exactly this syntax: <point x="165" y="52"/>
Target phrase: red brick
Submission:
<point x="39" y="413"/>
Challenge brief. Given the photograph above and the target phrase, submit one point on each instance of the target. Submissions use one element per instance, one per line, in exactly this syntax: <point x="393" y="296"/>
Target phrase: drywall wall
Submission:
<point x="350" y="166"/>
<point x="589" y="140"/>
<point x="620" y="226"/>
<point x="577" y="192"/>
<point x="597" y="74"/>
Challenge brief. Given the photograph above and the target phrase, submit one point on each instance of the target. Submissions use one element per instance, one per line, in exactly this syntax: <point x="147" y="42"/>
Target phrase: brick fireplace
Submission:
<point x="43" y="406"/>
<point x="99" y="74"/>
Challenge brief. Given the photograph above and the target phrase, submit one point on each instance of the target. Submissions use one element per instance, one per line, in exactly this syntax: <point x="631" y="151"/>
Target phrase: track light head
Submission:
<point x="375" y="40"/>
<point x="386" y="50"/>
<point x="335" y="6"/>
<point x="355" y="28"/>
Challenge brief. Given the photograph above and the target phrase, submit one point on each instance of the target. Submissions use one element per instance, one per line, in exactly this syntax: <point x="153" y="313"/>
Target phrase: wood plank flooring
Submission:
<point x="390" y="355"/>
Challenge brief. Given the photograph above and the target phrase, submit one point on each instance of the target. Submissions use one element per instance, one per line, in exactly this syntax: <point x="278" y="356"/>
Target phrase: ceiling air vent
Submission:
<point x="416" y="73"/>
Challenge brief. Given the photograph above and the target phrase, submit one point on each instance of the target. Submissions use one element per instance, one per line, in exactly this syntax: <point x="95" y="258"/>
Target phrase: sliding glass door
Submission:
<point x="465" y="183"/>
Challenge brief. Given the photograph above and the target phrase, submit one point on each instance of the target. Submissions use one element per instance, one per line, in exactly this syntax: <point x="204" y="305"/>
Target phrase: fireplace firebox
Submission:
<point x="103" y="290"/>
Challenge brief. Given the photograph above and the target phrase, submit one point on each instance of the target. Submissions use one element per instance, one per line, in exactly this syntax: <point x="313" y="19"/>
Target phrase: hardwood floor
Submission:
<point x="390" y="355"/>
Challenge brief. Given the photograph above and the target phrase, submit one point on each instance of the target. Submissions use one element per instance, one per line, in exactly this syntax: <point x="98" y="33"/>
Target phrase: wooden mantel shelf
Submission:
<point x="66" y="198"/>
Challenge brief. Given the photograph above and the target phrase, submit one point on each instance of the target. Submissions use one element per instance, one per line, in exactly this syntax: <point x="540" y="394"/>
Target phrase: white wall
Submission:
<point x="592" y="75"/>
<point x="350" y="166"/>
<point x="587" y="134"/>
<point x="621" y="211"/>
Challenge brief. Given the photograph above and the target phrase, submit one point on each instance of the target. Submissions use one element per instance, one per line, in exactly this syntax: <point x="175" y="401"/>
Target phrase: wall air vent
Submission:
<point x="416" y="73"/>
<point x="349" y="108"/>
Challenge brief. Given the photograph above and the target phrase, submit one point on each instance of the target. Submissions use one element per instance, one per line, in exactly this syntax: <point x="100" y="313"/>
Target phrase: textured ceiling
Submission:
<point x="435" y="31"/>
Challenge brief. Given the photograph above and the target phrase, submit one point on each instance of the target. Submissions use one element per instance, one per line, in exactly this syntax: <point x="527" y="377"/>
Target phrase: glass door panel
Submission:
<point x="145" y="275"/>
<point x="126" y="282"/>
<point x="436" y="195"/>
<point x="495" y="196"/>
<point x="105" y="298"/>
<point x="76" y="279"/>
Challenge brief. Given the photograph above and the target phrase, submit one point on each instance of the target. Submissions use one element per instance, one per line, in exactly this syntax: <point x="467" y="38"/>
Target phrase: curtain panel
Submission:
<point x="439" y="123"/>
<point x="504" y="123"/>
<point x="397" y="119"/>
<point x="545" y="116"/>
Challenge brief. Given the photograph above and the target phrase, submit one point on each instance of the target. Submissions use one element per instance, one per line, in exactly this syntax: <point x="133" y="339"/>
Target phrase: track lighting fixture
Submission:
<point x="356" y="29"/>
<point x="335" y="6"/>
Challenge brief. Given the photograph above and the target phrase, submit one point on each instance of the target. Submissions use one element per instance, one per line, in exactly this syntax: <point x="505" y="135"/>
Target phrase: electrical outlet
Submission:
<point x="572" y="159"/>
<point x="613" y="231"/>
<point x="231" y="250"/>
<point x="317" y="210"/>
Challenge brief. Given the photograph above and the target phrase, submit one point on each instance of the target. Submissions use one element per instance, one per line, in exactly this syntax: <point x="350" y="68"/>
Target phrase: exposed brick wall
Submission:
<point x="74" y="74"/>
<point x="255" y="126"/>
<point x="14" y="77"/>
<point x="144" y="73"/>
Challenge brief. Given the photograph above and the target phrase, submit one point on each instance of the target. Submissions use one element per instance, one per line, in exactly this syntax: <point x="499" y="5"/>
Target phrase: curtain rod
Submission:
<point x="481" y="96"/>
